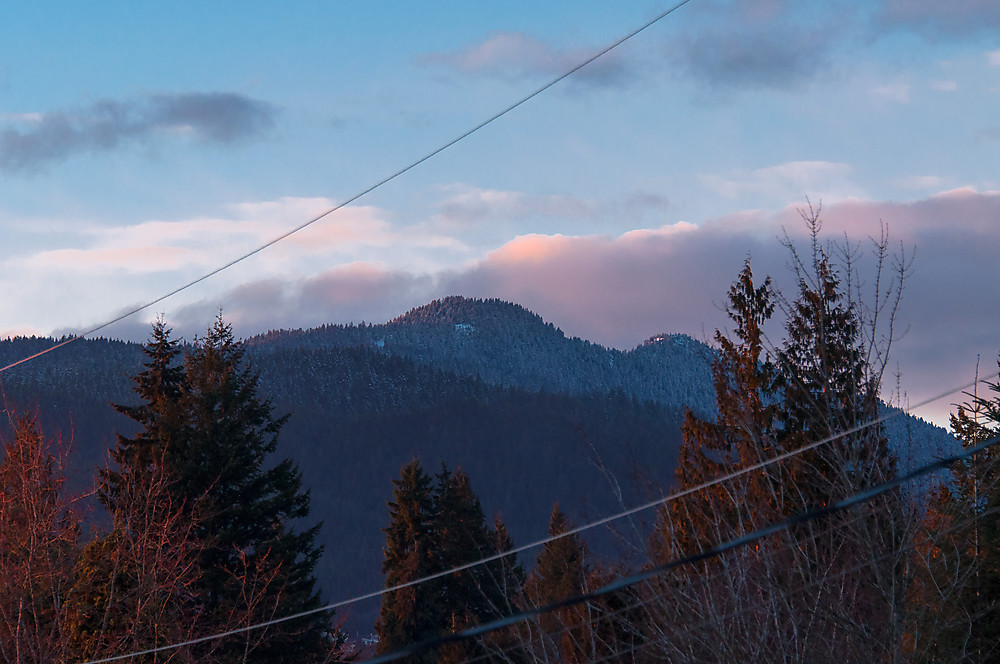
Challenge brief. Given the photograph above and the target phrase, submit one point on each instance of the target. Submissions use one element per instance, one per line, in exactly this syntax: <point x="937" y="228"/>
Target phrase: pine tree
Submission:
<point x="742" y="435"/>
<point x="160" y="387"/>
<point x="413" y="613"/>
<point x="560" y="573"/>
<point x="436" y="525"/>
<point x="819" y="384"/>
<point x="254" y="564"/>
<point x="477" y="595"/>
<point x="826" y="388"/>
<point x="200" y="467"/>
<point x="469" y="597"/>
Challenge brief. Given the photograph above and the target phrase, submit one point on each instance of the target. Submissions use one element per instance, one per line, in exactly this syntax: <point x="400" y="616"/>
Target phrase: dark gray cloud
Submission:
<point x="932" y="18"/>
<point x="514" y="55"/>
<point x="773" y="56"/>
<point x="33" y="141"/>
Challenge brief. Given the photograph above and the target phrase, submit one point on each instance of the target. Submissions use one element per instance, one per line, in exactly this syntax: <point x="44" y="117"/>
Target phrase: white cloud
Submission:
<point x="994" y="58"/>
<point x="898" y="93"/>
<point x="944" y="86"/>
<point x="465" y="205"/>
<point x="793" y="180"/>
<point x="21" y="117"/>
<point x="206" y="242"/>
<point x="919" y="182"/>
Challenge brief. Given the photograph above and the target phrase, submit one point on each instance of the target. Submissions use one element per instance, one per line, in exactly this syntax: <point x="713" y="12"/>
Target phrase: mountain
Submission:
<point x="532" y="416"/>
<point x="505" y="344"/>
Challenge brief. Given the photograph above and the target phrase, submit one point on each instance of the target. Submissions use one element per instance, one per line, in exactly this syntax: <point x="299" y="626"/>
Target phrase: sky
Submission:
<point x="143" y="145"/>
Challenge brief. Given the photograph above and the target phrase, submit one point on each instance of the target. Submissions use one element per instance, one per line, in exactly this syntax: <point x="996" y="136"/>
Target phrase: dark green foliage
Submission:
<point x="199" y="474"/>
<point x="413" y="613"/>
<point x="221" y="463"/>
<point x="434" y="527"/>
<point x="159" y="415"/>
<point x="827" y="388"/>
<point x="463" y="537"/>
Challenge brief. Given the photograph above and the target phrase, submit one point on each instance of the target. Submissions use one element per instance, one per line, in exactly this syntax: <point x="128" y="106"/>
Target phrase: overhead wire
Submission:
<point x="735" y="543"/>
<point x="703" y="580"/>
<point x="131" y="312"/>
<point x="580" y="529"/>
<point x="541" y="542"/>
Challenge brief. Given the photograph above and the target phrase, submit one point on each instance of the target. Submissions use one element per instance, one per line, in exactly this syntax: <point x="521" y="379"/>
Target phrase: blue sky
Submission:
<point x="143" y="145"/>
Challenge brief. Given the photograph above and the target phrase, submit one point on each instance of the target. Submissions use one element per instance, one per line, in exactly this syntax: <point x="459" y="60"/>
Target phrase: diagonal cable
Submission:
<point x="520" y="549"/>
<point x="365" y="192"/>
<point x="744" y="540"/>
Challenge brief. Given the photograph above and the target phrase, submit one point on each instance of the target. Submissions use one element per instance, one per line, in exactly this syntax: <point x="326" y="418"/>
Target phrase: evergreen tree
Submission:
<point x="827" y="389"/>
<point x="963" y="577"/>
<point x="413" y="613"/>
<point x="254" y="562"/>
<point x="134" y="587"/>
<point x="560" y="572"/>
<point x="742" y="435"/>
<point x="471" y="596"/>
<point x="475" y="595"/>
<point x="506" y="579"/>
<point x="436" y="525"/>
<point x="819" y="384"/>
<point x="205" y="446"/>
<point x="160" y="387"/>
<point x="506" y="573"/>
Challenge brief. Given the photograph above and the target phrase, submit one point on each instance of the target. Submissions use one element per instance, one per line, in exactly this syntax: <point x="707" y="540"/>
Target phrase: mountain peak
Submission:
<point x="456" y="310"/>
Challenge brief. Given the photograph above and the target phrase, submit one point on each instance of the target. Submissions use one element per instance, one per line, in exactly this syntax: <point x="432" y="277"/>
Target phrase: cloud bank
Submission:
<point x="620" y="290"/>
<point x="37" y="140"/>
<point x="954" y="19"/>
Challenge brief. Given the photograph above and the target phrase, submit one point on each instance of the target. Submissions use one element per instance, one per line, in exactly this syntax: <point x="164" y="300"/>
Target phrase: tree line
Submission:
<point x="911" y="575"/>
<point x="204" y="531"/>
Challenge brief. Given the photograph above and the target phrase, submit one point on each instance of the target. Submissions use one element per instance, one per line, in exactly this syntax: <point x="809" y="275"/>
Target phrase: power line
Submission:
<point x="713" y="552"/>
<point x="526" y="547"/>
<point x="364" y="192"/>
<point x="703" y="580"/>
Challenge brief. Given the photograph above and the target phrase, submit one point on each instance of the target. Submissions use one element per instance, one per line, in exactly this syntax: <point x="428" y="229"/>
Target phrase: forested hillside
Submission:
<point x="533" y="416"/>
<point x="504" y="344"/>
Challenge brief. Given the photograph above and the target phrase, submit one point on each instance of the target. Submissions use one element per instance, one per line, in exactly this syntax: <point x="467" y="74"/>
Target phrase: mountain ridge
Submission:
<point x="533" y="416"/>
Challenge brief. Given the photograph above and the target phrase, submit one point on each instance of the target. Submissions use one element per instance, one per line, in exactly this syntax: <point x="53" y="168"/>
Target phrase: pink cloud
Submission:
<point x="620" y="290"/>
<point x="515" y="54"/>
<point x="144" y="259"/>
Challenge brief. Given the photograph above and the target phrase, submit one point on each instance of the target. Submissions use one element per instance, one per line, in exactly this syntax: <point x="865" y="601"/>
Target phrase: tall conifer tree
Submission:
<point x="160" y="387"/>
<point x="413" y="613"/>
<point x="206" y="442"/>
<point x="743" y="434"/>
<point x="561" y="572"/>
<point x="222" y="464"/>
